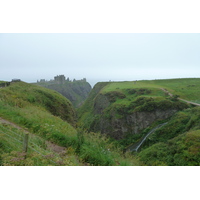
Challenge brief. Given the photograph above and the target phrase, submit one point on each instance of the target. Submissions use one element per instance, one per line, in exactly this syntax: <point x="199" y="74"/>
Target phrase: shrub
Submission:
<point x="114" y="95"/>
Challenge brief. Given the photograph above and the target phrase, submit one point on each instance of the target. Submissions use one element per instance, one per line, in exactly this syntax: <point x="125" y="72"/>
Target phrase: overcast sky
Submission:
<point x="99" y="57"/>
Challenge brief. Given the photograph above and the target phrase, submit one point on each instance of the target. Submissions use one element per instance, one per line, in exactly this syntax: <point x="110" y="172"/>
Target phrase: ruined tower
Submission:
<point x="59" y="79"/>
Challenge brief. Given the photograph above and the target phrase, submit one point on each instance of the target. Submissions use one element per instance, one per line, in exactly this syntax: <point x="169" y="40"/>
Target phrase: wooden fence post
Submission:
<point x="25" y="146"/>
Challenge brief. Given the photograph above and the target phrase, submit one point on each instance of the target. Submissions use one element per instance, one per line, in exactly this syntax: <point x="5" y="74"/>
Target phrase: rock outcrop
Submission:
<point x="76" y="91"/>
<point x="131" y="123"/>
<point x="103" y="112"/>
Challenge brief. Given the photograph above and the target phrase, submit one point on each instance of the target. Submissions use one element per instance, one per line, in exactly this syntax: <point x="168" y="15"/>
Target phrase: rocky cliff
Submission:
<point x="110" y="115"/>
<point x="75" y="91"/>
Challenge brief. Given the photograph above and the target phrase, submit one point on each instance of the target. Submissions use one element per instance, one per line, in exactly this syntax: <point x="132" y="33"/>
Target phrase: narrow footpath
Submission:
<point x="171" y="95"/>
<point x="136" y="146"/>
<point x="53" y="147"/>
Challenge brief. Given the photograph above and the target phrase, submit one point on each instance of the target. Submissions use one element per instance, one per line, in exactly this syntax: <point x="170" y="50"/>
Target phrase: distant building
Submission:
<point x="15" y="80"/>
<point x="60" y="79"/>
<point x="84" y="80"/>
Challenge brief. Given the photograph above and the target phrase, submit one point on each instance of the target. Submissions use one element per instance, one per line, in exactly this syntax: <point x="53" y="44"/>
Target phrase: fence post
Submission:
<point x="25" y="146"/>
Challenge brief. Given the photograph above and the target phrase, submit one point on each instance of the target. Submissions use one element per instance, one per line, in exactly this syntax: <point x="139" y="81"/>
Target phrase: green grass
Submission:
<point x="40" y="111"/>
<point x="43" y="116"/>
<point x="99" y="150"/>
<point x="117" y="100"/>
<point x="75" y="91"/>
<point x="125" y="98"/>
<point x="49" y="116"/>
<point x="39" y="153"/>
<point x="187" y="88"/>
<point x="21" y="95"/>
<point x="182" y="150"/>
<point x="183" y="121"/>
<point x="177" y="143"/>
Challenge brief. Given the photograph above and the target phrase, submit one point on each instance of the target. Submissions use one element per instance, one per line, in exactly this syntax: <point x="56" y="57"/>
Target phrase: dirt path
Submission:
<point x="171" y="95"/>
<point x="53" y="147"/>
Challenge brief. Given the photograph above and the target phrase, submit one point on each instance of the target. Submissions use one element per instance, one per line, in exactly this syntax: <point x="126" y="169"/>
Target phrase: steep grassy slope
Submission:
<point x="76" y="91"/>
<point x="40" y="151"/>
<point x="50" y="116"/>
<point x="22" y="95"/>
<point x="120" y="109"/>
<point x="85" y="111"/>
<point x="113" y="104"/>
<point x="40" y="110"/>
<point x="182" y="150"/>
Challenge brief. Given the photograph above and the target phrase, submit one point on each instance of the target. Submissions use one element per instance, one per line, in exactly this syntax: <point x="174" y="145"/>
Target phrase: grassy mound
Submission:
<point x="21" y="95"/>
<point x="40" y="110"/>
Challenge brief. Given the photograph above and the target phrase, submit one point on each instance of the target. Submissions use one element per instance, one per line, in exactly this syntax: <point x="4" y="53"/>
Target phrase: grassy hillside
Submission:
<point x="187" y="88"/>
<point x="182" y="150"/>
<point x="76" y="91"/>
<point x="49" y="117"/>
<point x="22" y="95"/>
<point x="40" y="110"/>
<point x="85" y="111"/>
<point x="176" y="143"/>
<point x="40" y="152"/>
<point x="112" y="107"/>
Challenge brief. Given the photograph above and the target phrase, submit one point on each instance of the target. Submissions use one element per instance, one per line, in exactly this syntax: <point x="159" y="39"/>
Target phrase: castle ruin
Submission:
<point x="59" y="79"/>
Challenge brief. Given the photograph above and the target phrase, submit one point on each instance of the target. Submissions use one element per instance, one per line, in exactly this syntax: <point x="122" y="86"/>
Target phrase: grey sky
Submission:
<point x="99" y="57"/>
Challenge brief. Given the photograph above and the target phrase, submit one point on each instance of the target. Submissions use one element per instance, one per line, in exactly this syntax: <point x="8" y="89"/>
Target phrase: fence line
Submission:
<point x="35" y="145"/>
<point x="21" y="141"/>
<point x="13" y="144"/>
<point x="12" y="137"/>
<point x="31" y="149"/>
<point x="41" y="154"/>
<point x="11" y="131"/>
<point x="41" y="149"/>
<point x="30" y="138"/>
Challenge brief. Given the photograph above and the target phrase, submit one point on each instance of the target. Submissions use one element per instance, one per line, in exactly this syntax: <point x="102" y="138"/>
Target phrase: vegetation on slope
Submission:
<point x="85" y="111"/>
<point x="35" y="108"/>
<point x="187" y="88"/>
<point x="76" y="91"/>
<point x="113" y="112"/>
<point x="22" y="95"/>
<point x="40" y="110"/>
<point x="176" y="143"/>
<point x="182" y="150"/>
<point x="40" y="152"/>
<point x="32" y="107"/>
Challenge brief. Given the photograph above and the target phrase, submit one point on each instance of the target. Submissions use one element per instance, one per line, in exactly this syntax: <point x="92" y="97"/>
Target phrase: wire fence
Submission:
<point x="16" y="141"/>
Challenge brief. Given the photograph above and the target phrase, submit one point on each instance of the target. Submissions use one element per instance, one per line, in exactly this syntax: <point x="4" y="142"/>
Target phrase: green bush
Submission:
<point x="114" y="95"/>
<point x="182" y="150"/>
<point x="99" y="150"/>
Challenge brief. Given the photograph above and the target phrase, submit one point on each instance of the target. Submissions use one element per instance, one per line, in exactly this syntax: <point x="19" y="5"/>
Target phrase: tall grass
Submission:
<point x="98" y="150"/>
<point x="39" y="153"/>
